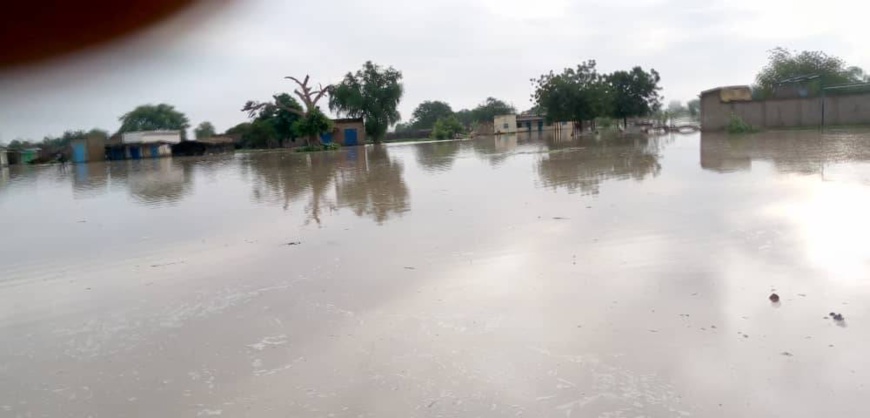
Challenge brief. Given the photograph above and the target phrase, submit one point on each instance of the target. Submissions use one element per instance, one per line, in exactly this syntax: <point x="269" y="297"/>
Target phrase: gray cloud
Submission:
<point x="457" y="51"/>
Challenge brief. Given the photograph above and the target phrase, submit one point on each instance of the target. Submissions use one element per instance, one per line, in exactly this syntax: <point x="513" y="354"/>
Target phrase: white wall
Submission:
<point x="146" y="137"/>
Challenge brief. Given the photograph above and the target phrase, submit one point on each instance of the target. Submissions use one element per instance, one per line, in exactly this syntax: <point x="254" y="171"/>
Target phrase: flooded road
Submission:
<point x="496" y="277"/>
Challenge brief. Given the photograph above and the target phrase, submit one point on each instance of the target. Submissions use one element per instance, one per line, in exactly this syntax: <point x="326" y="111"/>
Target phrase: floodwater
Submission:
<point x="515" y="276"/>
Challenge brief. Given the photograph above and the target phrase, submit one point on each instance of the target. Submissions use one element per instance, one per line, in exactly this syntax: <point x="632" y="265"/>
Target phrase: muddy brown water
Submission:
<point x="497" y="277"/>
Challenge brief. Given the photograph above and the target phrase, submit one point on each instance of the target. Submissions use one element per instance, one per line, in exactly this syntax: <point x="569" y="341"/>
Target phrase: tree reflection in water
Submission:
<point x="363" y="179"/>
<point x="583" y="164"/>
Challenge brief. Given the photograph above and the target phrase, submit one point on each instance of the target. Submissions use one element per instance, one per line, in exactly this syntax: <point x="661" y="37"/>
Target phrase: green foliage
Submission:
<point x="204" y="130"/>
<point x="489" y="109"/>
<point x="239" y="129"/>
<point x="150" y="118"/>
<point x="736" y="125"/>
<point x="312" y="125"/>
<point x="634" y="93"/>
<point x="261" y="134"/>
<point x="319" y="147"/>
<point x="465" y="117"/>
<point x="403" y="127"/>
<point x="574" y="95"/>
<point x="428" y="112"/>
<point x="372" y="93"/>
<point x="694" y="108"/>
<point x="277" y="114"/>
<point x="784" y="64"/>
<point x="447" y="128"/>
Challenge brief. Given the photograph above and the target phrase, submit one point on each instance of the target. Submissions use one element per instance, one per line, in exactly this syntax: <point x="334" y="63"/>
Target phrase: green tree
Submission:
<point x="634" y="93"/>
<point x="465" y="117"/>
<point x="204" y="130"/>
<point x="372" y="93"/>
<point x="694" y="108"/>
<point x="490" y="108"/>
<point x="403" y="127"/>
<point x="280" y="117"/>
<point x="577" y="94"/>
<point x="428" y="112"/>
<point x="313" y="124"/>
<point x="63" y="141"/>
<point x="447" y="128"/>
<point x="151" y="117"/>
<point x="309" y="96"/>
<point x="784" y="64"/>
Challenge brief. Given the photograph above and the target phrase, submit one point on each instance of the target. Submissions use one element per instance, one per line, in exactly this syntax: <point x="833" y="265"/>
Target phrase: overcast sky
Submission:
<point x="459" y="51"/>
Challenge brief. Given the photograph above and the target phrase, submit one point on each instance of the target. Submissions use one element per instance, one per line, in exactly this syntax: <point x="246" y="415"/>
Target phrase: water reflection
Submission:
<point x="364" y="179"/>
<point x="437" y="156"/>
<point x="583" y="164"/>
<point x="798" y="152"/>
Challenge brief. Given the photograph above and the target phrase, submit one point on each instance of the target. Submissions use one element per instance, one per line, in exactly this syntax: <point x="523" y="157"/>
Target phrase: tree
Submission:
<point x="150" y="118"/>
<point x="676" y="108"/>
<point x="694" y="108"/>
<point x="428" y="112"/>
<point x="309" y="96"/>
<point x="577" y="94"/>
<point x="490" y="108"/>
<point x="403" y="127"/>
<point x="447" y="128"/>
<point x="312" y="125"/>
<point x="280" y="118"/>
<point x="204" y="130"/>
<point x="465" y="117"/>
<point x="783" y="64"/>
<point x="61" y="142"/>
<point x="373" y="93"/>
<point x="634" y="93"/>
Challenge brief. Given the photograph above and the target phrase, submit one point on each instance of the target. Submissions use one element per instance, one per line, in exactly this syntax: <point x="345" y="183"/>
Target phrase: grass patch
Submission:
<point x="736" y="125"/>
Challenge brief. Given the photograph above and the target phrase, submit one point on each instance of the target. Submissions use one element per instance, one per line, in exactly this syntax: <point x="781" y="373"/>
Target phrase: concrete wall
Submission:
<point x="340" y="126"/>
<point x="505" y="124"/>
<point x="853" y="109"/>
<point x="170" y="137"/>
<point x="3" y="160"/>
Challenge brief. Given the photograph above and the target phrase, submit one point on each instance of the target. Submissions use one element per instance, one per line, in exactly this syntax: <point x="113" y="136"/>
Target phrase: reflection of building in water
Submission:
<point x="90" y="180"/>
<point x="363" y="179"/>
<point x="154" y="181"/>
<point x="804" y="152"/>
<point x="583" y="164"/>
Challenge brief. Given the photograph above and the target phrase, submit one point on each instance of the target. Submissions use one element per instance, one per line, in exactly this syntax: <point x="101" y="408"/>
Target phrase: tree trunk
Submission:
<point x="625" y="122"/>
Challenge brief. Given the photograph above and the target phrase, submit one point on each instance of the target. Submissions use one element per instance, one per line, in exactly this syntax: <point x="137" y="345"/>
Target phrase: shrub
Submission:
<point x="447" y="128"/>
<point x="736" y="125"/>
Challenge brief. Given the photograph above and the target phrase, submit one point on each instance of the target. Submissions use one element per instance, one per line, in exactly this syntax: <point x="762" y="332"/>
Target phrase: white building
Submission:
<point x="511" y="124"/>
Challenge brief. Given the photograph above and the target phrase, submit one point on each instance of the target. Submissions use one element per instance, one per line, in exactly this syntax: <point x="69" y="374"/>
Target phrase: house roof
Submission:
<point x="716" y="89"/>
<point x="348" y="120"/>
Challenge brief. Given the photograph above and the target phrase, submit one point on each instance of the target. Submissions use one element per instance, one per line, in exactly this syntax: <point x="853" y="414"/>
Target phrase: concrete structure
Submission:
<point x="92" y="148"/>
<point x="719" y="104"/>
<point x="508" y="124"/>
<point x="346" y="132"/>
<point x="4" y="160"/>
<point x="23" y="156"/>
<point x="143" y="144"/>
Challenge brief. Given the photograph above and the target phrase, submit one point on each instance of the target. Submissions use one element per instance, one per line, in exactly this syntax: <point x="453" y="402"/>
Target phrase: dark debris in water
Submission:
<point x="293" y="243"/>
<point x="774" y="297"/>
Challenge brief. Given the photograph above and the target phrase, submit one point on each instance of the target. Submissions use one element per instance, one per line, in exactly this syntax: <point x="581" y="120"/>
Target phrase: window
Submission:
<point x="505" y="126"/>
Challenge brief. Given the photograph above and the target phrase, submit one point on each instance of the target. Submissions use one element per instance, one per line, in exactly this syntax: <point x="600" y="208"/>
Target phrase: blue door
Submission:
<point x="135" y="153"/>
<point x="78" y="153"/>
<point x="540" y="125"/>
<point x="155" y="150"/>
<point x="350" y="137"/>
<point x="326" y="138"/>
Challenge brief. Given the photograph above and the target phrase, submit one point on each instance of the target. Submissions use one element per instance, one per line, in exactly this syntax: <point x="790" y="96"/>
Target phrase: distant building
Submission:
<point x="4" y="159"/>
<point x="22" y="156"/>
<point x="509" y="124"/>
<point x="92" y="148"/>
<point x="346" y="132"/>
<point x="143" y="144"/>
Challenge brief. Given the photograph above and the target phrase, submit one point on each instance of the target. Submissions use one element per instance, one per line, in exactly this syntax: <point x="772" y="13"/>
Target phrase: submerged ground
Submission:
<point x="513" y="276"/>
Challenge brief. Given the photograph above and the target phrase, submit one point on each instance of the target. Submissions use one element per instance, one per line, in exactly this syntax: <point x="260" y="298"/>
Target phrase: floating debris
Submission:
<point x="293" y="243"/>
<point x="774" y="297"/>
<point x="837" y="317"/>
<point x="787" y="354"/>
<point x="410" y="268"/>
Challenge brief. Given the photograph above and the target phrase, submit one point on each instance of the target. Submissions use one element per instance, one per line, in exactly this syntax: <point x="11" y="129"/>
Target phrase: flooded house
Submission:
<point x="142" y="144"/>
<point x="511" y="124"/>
<point x="346" y="132"/>
<point x="91" y="148"/>
<point x="22" y="156"/>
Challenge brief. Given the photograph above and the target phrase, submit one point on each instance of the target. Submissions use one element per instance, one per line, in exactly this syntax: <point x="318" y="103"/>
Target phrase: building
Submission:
<point x="346" y="132"/>
<point x="143" y="144"/>
<point x="509" y="124"/>
<point x="203" y="146"/>
<point x="4" y="159"/>
<point x="92" y="148"/>
<point x="22" y="156"/>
